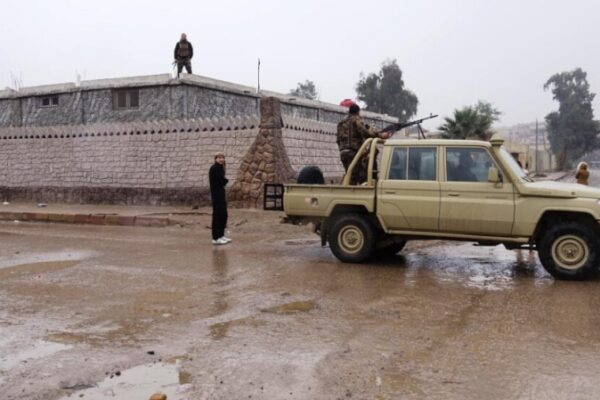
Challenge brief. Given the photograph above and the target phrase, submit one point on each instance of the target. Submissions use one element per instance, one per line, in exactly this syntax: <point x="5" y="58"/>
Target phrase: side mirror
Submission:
<point x="493" y="175"/>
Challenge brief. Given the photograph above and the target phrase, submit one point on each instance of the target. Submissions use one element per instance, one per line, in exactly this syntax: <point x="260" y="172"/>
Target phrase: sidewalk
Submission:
<point x="157" y="216"/>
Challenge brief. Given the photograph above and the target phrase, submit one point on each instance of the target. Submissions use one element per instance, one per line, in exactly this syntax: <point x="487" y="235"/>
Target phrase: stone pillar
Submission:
<point x="265" y="161"/>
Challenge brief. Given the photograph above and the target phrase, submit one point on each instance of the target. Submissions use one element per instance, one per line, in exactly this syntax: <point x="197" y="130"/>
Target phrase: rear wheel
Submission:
<point x="570" y="251"/>
<point x="351" y="238"/>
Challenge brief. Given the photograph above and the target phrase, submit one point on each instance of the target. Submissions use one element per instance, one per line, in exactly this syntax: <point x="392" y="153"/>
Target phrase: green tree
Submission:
<point x="572" y="130"/>
<point x="308" y="90"/>
<point x="384" y="92"/>
<point x="471" y="122"/>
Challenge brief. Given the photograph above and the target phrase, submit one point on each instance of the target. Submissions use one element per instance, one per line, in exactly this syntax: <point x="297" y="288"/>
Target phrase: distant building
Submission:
<point x="520" y="140"/>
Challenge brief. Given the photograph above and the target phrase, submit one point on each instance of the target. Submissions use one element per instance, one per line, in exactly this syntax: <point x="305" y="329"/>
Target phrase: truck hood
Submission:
<point x="559" y="189"/>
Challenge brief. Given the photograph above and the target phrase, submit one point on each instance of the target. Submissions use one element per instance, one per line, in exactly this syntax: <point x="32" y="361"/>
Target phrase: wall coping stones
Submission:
<point x="123" y="128"/>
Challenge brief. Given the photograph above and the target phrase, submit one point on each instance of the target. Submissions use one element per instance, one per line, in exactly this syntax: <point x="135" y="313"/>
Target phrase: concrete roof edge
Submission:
<point x="125" y="82"/>
<point x="210" y="83"/>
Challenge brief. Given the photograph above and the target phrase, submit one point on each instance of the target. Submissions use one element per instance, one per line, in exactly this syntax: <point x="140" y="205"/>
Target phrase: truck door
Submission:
<point x="409" y="196"/>
<point x="469" y="203"/>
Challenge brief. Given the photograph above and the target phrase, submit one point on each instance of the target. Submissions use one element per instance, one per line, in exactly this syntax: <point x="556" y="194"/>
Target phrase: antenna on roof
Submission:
<point x="258" y="86"/>
<point x="17" y="81"/>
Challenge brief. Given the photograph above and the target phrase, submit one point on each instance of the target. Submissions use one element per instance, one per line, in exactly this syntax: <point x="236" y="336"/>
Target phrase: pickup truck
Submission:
<point x="451" y="190"/>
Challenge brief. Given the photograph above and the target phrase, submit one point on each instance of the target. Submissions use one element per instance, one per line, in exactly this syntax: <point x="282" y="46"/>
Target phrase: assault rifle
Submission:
<point x="402" y="125"/>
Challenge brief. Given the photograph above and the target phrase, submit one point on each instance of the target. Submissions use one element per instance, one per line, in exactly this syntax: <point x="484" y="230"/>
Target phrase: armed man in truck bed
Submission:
<point x="351" y="133"/>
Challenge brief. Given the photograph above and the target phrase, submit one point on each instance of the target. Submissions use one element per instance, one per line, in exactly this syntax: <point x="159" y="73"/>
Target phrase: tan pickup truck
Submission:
<point x="452" y="190"/>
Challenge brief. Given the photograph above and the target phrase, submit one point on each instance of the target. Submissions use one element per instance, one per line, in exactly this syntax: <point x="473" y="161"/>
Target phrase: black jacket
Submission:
<point x="216" y="177"/>
<point x="176" y="53"/>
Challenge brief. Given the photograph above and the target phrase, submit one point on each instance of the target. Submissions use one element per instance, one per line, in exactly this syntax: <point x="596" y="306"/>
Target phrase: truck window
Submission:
<point x="467" y="164"/>
<point x="414" y="163"/>
<point x="398" y="166"/>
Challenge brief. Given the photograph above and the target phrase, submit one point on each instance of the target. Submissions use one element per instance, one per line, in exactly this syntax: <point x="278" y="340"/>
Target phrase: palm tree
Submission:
<point x="471" y="122"/>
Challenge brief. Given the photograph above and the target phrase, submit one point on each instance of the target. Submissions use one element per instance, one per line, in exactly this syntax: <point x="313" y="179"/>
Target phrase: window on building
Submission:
<point x="126" y="98"/>
<point x="49" y="101"/>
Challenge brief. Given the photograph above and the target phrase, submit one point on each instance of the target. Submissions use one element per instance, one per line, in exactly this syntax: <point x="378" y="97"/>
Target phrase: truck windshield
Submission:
<point x="513" y="165"/>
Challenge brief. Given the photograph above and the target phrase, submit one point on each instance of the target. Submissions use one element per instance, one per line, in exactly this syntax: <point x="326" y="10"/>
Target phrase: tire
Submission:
<point x="311" y="175"/>
<point x="351" y="238"/>
<point x="570" y="251"/>
<point x="391" y="250"/>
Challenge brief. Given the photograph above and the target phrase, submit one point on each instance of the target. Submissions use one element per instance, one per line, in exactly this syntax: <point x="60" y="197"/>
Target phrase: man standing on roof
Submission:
<point x="183" y="55"/>
<point x="351" y="133"/>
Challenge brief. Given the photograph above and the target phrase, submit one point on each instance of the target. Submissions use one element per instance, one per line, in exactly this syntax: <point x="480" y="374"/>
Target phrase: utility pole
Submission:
<point x="536" y="147"/>
<point x="258" y="86"/>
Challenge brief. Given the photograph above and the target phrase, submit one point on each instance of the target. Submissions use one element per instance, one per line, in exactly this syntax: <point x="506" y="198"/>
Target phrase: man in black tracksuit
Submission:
<point x="217" y="180"/>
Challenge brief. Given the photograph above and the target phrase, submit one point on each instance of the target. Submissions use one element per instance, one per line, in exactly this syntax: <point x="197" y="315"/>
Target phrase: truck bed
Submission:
<point x="319" y="200"/>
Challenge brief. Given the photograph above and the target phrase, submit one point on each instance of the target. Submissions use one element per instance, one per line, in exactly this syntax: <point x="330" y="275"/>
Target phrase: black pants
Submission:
<point x="187" y="64"/>
<point x="219" y="220"/>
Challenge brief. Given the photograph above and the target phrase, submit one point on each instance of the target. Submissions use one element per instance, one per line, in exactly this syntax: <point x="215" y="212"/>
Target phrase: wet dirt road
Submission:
<point x="120" y="313"/>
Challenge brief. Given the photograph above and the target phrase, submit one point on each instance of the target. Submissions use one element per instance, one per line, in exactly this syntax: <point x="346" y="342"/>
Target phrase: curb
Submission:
<point x="87" y="219"/>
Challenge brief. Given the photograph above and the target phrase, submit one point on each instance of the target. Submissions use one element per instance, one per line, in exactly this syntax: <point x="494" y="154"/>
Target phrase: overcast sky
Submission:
<point x="452" y="53"/>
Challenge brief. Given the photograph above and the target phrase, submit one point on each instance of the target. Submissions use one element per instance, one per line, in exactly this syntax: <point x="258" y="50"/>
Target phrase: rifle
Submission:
<point x="402" y="125"/>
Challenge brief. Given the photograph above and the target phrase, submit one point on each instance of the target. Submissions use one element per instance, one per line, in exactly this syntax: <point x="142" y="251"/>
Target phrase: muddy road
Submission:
<point x="123" y="312"/>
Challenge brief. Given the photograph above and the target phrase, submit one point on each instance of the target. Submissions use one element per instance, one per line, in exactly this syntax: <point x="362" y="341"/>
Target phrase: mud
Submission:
<point x="275" y="316"/>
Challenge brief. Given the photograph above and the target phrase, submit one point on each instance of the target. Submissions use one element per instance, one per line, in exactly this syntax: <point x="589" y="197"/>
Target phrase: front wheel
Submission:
<point x="570" y="251"/>
<point x="351" y="238"/>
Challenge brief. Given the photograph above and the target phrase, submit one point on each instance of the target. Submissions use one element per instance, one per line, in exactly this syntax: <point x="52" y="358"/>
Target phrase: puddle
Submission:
<point x="292" y="308"/>
<point x="488" y="268"/>
<point x="21" y="260"/>
<point x="302" y="242"/>
<point x="219" y="330"/>
<point x="139" y="382"/>
<point x="36" y="268"/>
<point x="38" y="349"/>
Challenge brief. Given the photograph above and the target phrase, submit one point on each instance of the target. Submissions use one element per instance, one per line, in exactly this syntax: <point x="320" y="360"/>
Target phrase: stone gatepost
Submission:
<point x="265" y="161"/>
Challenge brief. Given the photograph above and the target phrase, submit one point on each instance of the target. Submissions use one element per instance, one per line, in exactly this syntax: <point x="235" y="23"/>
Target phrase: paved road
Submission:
<point x="275" y="316"/>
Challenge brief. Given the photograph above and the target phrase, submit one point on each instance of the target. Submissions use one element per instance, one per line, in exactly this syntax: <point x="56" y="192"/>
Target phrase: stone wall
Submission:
<point x="160" y="162"/>
<point x="68" y="111"/>
<point x="10" y="113"/>
<point x="266" y="160"/>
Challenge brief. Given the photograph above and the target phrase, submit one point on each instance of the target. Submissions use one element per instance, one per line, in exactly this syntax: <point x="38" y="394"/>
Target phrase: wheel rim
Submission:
<point x="570" y="252"/>
<point x="351" y="239"/>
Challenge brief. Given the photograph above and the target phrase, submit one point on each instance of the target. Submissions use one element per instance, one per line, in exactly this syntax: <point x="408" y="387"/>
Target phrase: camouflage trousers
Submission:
<point x="359" y="174"/>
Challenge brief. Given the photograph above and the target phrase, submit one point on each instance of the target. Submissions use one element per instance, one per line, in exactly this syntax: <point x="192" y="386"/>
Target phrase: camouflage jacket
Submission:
<point x="351" y="133"/>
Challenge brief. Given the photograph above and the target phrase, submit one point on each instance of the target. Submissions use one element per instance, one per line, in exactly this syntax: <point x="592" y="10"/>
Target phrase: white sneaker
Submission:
<point x="226" y="239"/>
<point x="219" y="242"/>
<point x="222" y="241"/>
